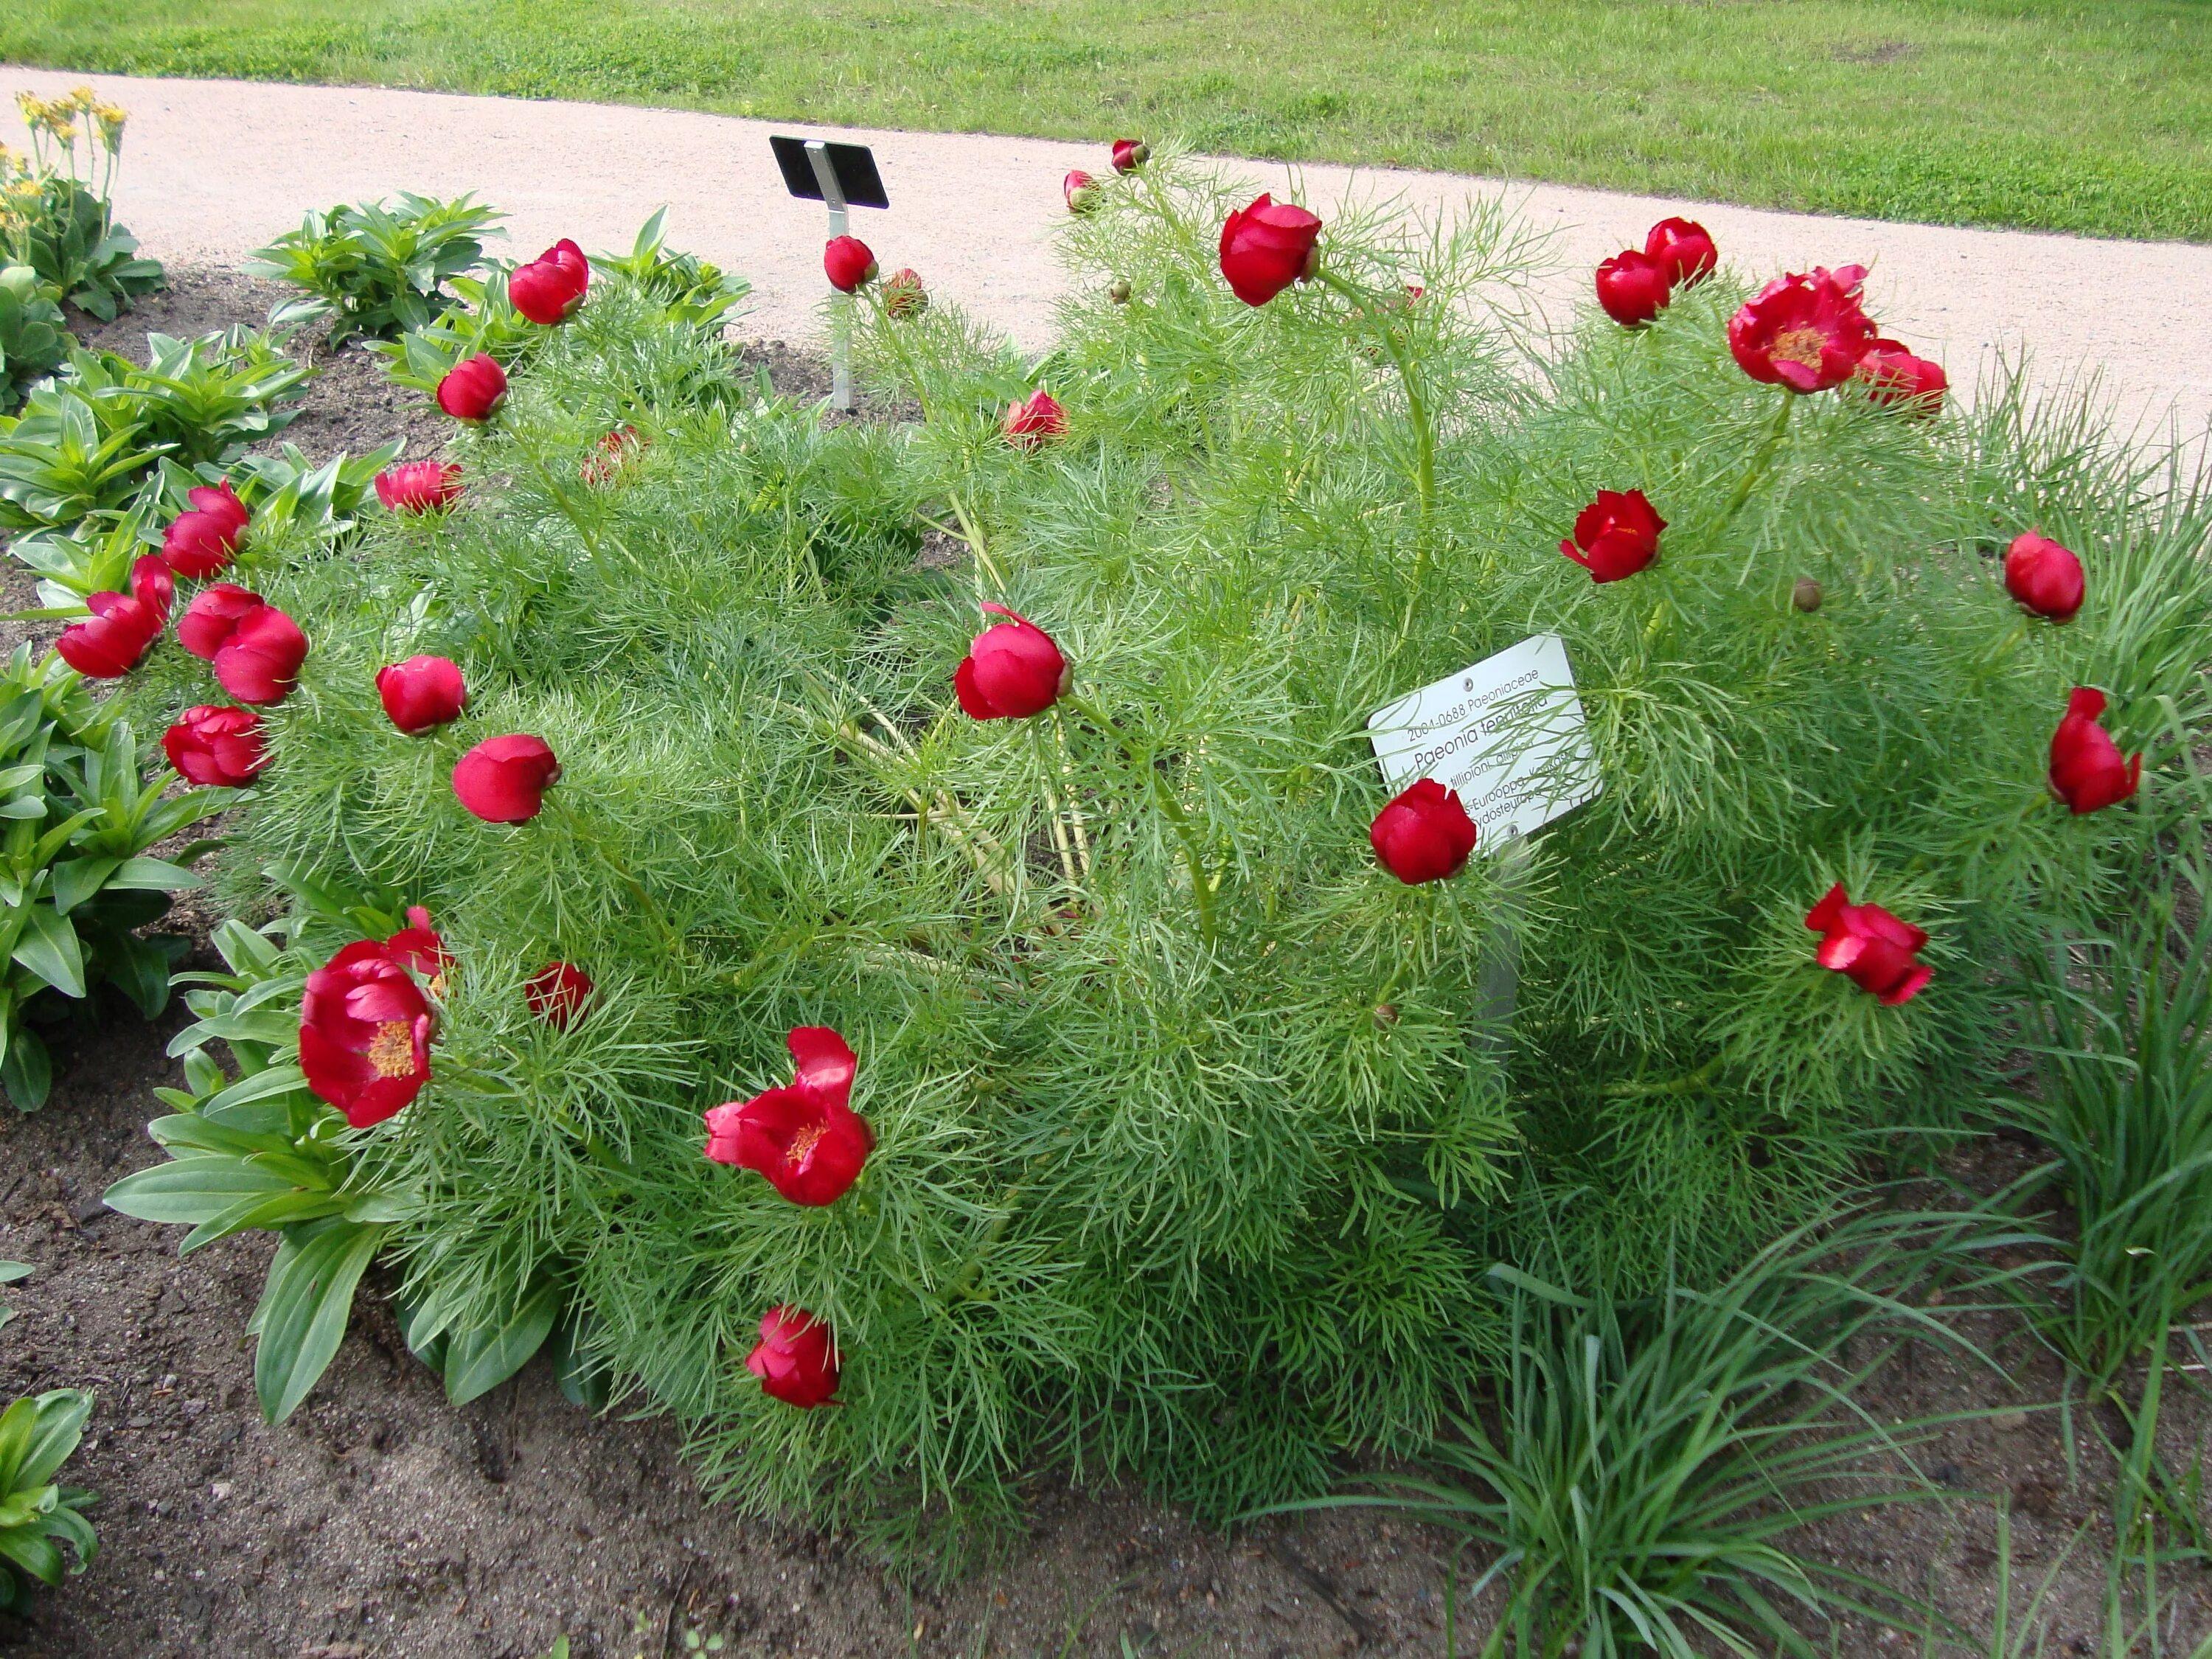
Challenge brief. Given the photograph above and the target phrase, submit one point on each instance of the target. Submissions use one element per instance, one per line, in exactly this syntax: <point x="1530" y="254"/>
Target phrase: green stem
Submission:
<point x="1368" y="309"/>
<point x="1690" y="1082"/>
<point x="890" y="332"/>
<point x="1760" y="462"/>
<point x="569" y="509"/>
<point x="578" y="831"/>
<point x="1171" y="809"/>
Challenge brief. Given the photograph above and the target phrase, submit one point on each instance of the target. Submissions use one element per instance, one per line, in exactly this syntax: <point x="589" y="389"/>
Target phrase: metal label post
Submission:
<point x="840" y="306"/>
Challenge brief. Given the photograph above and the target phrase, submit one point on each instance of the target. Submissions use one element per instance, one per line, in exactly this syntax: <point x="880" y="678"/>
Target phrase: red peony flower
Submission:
<point x="1807" y="333"/>
<point x="1080" y="189"/>
<point x="154" y="586"/>
<point x="795" y="1359"/>
<point x="2086" y="771"/>
<point x="259" y="662"/>
<point x="1634" y="288"/>
<point x="214" y="614"/>
<point x="365" y="1030"/>
<point x="473" y="389"/>
<point x="216" y="746"/>
<point x="422" y="692"/>
<point x="1896" y="376"/>
<point x="1683" y="249"/>
<point x="904" y="294"/>
<point x="201" y="542"/>
<point x="1870" y="944"/>
<point x="557" y="994"/>
<point x="805" y="1137"/>
<point x="1029" y="425"/>
<point x="1130" y="154"/>
<point x="610" y="458"/>
<point x="1615" y="536"/>
<point x="2043" y="576"/>
<point x="1012" y="670"/>
<point x="419" y="487"/>
<point x="549" y="288"/>
<point x="848" y="263"/>
<point x="1267" y="247"/>
<point x="1423" y="834"/>
<point x="109" y="644"/>
<point x="504" y="780"/>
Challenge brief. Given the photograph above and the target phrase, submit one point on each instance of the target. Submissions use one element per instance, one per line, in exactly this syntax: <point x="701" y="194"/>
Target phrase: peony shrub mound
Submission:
<point x="1011" y="1019"/>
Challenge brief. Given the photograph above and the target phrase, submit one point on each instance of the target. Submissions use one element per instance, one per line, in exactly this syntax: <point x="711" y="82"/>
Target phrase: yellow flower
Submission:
<point x="82" y="97"/>
<point x="111" y="118"/>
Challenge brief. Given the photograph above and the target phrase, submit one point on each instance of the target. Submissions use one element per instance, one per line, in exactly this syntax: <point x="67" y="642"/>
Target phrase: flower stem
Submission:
<point x="1171" y="809"/>
<point x="1760" y="462"/>
<point x="1368" y="309"/>
<point x="569" y="509"/>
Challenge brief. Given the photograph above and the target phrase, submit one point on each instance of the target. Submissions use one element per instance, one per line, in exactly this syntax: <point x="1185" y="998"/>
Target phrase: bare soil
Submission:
<point x="381" y="1522"/>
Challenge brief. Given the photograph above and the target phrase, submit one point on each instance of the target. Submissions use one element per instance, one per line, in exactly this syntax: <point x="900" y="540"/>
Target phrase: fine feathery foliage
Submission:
<point x="1195" y="1132"/>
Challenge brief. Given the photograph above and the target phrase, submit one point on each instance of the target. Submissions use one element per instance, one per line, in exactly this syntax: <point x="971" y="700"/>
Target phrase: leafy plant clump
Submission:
<point x="1140" y="1119"/>
<point x="39" y="1519"/>
<point x="54" y="212"/>
<point x="374" y="269"/>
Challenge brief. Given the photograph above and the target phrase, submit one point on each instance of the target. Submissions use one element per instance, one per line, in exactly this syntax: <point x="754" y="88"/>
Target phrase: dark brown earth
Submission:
<point x="381" y="1522"/>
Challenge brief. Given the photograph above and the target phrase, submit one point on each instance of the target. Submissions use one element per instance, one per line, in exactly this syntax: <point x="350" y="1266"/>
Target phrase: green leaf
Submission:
<point x="303" y="1312"/>
<point x="59" y="1422"/>
<point x="139" y="969"/>
<point x="193" y="1189"/>
<point x="49" y="948"/>
<point x="11" y="1272"/>
<point x="478" y="1358"/>
<point x="27" y="1070"/>
<point x="76" y="880"/>
<point x="583" y="1381"/>
<point x="155" y="875"/>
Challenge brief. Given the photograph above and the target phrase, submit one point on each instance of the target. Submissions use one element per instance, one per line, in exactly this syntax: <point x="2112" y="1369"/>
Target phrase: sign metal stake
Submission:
<point x="840" y="305"/>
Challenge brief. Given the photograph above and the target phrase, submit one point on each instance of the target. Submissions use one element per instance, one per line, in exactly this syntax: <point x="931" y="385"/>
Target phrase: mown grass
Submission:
<point x="2079" y="115"/>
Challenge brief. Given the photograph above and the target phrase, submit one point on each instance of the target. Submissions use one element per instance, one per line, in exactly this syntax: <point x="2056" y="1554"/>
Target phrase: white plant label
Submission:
<point x="1507" y="736"/>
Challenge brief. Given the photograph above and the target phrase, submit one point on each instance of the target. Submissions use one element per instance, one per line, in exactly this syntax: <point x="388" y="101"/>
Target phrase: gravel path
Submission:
<point x="214" y="167"/>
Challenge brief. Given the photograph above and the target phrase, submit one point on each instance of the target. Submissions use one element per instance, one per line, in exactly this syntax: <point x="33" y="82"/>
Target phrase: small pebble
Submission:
<point x="2011" y="1422"/>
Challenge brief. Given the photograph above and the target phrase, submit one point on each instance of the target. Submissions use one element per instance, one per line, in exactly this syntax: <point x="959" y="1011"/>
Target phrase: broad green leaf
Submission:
<point x="49" y="948"/>
<point x="193" y="1189"/>
<point x="478" y="1358"/>
<point x="155" y="875"/>
<point x="59" y="1424"/>
<point x="303" y="1312"/>
<point x="27" y="1070"/>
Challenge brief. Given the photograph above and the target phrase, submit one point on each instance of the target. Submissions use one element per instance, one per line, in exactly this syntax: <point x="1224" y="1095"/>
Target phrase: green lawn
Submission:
<point x="2080" y="115"/>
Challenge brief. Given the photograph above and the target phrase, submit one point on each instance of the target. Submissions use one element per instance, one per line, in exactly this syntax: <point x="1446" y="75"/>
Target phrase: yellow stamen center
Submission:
<point x="392" y="1052"/>
<point x="1800" y="345"/>
<point x="804" y="1143"/>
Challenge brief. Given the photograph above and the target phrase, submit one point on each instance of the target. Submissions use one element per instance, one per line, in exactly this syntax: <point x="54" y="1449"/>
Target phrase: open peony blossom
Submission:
<point x="201" y="542"/>
<point x="846" y="262"/>
<point x="1615" y="536"/>
<point x="473" y="389"/>
<point x="219" y="747"/>
<point x="1807" y="333"/>
<point x="1267" y="246"/>
<point x="1130" y="154"/>
<point x="419" y="487"/>
<point x="1870" y="945"/>
<point x="2086" y="770"/>
<point x="557" y="994"/>
<point x="1634" y="288"/>
<point x="260" y="660"/>
<point x="365" y="1030"/>
<point x="1683" y="249"/>
<point x="1895" y="376"/>
<point x="109" y="644"/>
<point x="1012" y="670"/>
<point x="419" y="948"/>
<point x="796" y="1358"/>
<point x="2043" y="576"/>
<point x="1423" y="833"/>
<point x="549" y="288"/>
<point x="504" y="780"/>
<point x="1030" y="424"/>
<point x="804" y="1136"/>
<point x="422" y="692"/>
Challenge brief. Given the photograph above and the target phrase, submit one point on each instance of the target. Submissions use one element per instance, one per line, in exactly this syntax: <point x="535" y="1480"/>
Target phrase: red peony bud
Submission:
<point x="201" y="542"/>
<point x="2043" y="576"/>
<point x="1870" y="946"/>
<point x="1012" y="670"/>
<point x="903" y="295"/>
<point x="220" y="747"/>
<point x="1615" y="536"/>
<point x="1030" y="424"/>
<point x="504" y="780"/>
<point x="419" y="487"/>
<point x="213" y="615"/>
<point x="109" y="645"/>
<point x="422" y="692"/>
<point x="1807" y="333"/>
<point x="1130" y="154"/>
<point x="365" y="1030"/>
<point x="1634" y="288"/>
<point x="848" y="263"/>
<point x="1896" y="376"/>
<point x="557" y="994"/>
<point x="804" y="1136"/>
<point x="1423" y="833"/>
<point x="2086" y="771"/>
<point x="549" y="288"/>
<point x="1081" y="190"/>
<point x="1267" y="247"/>
<point x="473" y="389"/>
<point x="1684" y="250"/>
<point x="154" y="586"/>
<point x="795" y="1358"/>
<point x="260" y="661"/>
